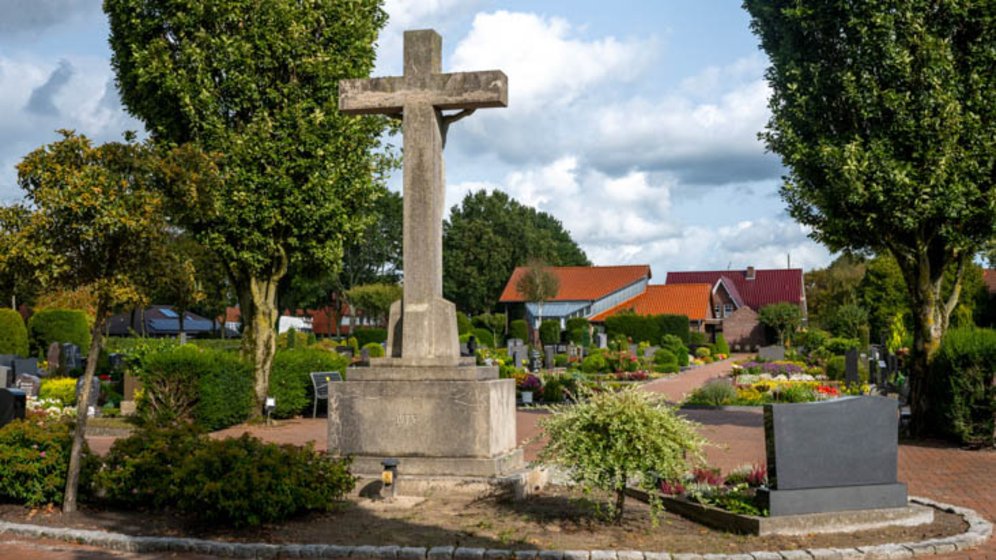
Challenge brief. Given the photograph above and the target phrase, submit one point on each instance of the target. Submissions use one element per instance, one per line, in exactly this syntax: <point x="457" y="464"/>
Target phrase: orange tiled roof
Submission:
<point x="672" y="299"/>
<point x="581" y="283"/>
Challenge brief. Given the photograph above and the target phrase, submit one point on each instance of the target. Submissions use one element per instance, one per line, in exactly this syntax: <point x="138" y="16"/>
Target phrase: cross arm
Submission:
<point x="457" y="90"/>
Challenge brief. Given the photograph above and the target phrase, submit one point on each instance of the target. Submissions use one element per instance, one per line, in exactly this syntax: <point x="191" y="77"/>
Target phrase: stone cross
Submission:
<point x="422" y="329"/>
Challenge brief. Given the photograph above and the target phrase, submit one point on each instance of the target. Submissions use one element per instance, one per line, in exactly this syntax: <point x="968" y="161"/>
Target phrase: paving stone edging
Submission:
<point x="979" y="531"/>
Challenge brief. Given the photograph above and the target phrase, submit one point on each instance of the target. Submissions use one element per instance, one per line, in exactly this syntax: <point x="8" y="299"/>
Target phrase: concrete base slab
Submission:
<point x="835" y="522"/>
<point x="833" y="499"/>
<point x="472" y="467"/>
<point x="518" y="485"/>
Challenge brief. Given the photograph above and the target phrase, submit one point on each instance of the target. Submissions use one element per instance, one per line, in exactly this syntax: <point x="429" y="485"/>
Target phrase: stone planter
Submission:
<point x="527" y="397"/>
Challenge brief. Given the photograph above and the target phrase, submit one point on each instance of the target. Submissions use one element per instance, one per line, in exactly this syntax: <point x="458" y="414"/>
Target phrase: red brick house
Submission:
<point x="738" y="295"/>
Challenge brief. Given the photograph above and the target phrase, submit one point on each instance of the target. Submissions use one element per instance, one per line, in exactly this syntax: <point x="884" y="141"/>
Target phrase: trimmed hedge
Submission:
<point x="13" y="333"/>
<point x="550" y="332"/>
<point x="647" y="328"/>
<point x="677" y="348"/>
<point x="484" y="338"/>
<point x="375" y="350"/>
<point x="213" y="388"/>
<point x="721" y="346"/>
<point x="61" y="388"/>
<point x="366" y="335"/>
<point x="290" y="380"/>
<point x="34" y="460"/>
<point x="519" y="329"/>
<point x="961" y="386"/>
<point x="58" y="325"/>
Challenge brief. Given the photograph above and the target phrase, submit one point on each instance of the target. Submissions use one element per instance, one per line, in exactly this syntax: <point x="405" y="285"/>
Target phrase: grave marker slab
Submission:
<point x="26" y="365"/>
<point x="12" y="405"/>
<point x="28" y="383"/>
<point x="548" y="356"/>
<point x="834" y="455"/>
<point x="851" y="367"/>
<point x="771" y="353"/>
<point x="72" y="358"/>
<point x="6" y="377"/>
<point x="54" y="358"/>
<point x="94" y="391"/>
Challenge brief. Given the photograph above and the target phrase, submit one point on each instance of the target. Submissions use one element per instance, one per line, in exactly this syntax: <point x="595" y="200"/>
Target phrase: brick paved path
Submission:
<point x="933" y="470"/>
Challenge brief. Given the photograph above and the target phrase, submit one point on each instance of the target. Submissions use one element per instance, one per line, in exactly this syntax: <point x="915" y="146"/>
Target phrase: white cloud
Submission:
<point x="547" y="63"/>
<point x="32" y="16"/>
<point x="403" y="15"/>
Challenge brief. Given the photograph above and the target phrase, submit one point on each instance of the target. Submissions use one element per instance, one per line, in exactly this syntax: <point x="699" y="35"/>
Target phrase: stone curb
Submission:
<point x="979" y="531"/>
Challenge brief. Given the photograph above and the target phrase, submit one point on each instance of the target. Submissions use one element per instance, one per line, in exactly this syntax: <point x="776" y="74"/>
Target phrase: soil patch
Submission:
<point x="560" y="519"/>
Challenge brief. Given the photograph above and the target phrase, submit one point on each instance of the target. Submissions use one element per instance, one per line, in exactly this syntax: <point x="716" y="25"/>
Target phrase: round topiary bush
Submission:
<point x="484" y="338"/>
<point x="58" y="325"/>
<point x="61" y="388"/>
<point x="13" y="333"/>
<point x="374" y="349"/>
<point x="518" y="329"/>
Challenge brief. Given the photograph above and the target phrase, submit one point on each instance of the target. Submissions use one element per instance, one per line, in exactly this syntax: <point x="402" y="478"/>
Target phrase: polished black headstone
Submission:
<point x="832" y="445"/>
<point x="851" y="367"/>
<point x="12" y="405"/>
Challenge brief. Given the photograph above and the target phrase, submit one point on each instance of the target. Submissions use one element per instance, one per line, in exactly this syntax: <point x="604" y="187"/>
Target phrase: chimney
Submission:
<point x="750" y="273"/>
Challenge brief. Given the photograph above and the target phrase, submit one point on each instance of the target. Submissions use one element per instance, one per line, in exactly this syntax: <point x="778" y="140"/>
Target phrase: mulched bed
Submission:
<point x="560" y="519"/>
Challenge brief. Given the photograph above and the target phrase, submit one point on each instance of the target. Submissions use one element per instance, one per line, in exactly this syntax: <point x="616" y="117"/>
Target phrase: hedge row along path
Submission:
<point x="934" y="470"/>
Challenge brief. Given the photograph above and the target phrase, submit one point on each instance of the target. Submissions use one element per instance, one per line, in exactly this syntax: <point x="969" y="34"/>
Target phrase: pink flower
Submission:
<point x="42" y="454"/>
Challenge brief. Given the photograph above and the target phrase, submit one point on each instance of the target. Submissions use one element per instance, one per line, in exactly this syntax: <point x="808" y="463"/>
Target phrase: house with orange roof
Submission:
<point x="584" y="291"/>
<point x="692" y="300"/>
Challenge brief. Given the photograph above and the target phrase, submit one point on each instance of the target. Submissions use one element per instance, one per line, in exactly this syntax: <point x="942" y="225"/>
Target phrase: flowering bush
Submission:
<point x="771" y="368"/>
<point x="529" y="382"/>
<point x="632" y="376"/>
<point x="736" y="492"/>
<point x="62" y="389"/>
<point x="34" y="460"/>
<point x="50" y="410"/>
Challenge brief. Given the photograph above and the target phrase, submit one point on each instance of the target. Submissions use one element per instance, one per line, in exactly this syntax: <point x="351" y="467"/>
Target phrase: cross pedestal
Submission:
<point x="438" y="413"/>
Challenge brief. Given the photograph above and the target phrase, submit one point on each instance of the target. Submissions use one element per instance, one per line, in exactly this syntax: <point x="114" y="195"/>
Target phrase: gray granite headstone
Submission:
<point x="548" y="356"/>
<point x="7" y="360"/>
<point x="832" y="455"/>
<point x="602" y="340"/>
<point x="851" y="367"/>
<point x="26" y="365"/>
<point x="28" y="383"/>
<point x="771" y="353"/>
<point x="520" y="356"/>
<point x="6" y="376"/>
<point x="72" y="358"/>
<point x="54" y="357"/>
<point x="94" y="391"/>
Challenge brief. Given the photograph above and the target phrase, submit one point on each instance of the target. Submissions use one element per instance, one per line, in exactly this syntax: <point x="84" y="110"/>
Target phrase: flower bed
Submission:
<point x="736" y="492"/>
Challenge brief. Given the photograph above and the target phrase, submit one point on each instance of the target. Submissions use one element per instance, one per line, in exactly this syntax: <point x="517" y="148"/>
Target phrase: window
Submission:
<point x="715" y="311"/>
<point x="727" y="310"/>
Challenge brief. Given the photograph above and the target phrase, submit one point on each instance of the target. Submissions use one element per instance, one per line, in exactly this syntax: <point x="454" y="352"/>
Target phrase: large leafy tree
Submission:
<point x="785" y="318"/>
<point x="255" y="85"/>
<point x="884" y="113"/>
<point x="490" y="234"/>
<point x="96" y="222"/>
<point x="829" y="288"/>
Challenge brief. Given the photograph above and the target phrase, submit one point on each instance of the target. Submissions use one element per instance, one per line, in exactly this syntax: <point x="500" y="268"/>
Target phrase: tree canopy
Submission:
<point x="251" y="89"/>
<point x="487" y="236"/>
<point x="884" y="114"/>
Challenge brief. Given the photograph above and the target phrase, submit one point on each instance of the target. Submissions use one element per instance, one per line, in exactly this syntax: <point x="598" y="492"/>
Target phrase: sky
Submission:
<point x="632" y="122"/>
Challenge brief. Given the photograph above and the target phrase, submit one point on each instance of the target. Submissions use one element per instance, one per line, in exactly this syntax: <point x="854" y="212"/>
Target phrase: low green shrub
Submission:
<point x="836" y="366"/>
<point x="677" y="347"/>
<point x="961" y="386"/>
<point x="138" y="470"/>
<point x="550" y="332"/>
<point x="58" y="325"/>
<point x="702" y="352"/>
<point x="518" y="329"/>
<point x="595" y="363"/>
<point x="374" y="349"/>
<point x="794" y="393"/>
<point x="212" y="388"/>
<point x="61" y="388"/>
<point x="717" y="392"/>
<point x="614" y="437"/>
<point x="34" y="460"/>
<point x="560" y="360"/>
<point x="244" y="482"/>
<point x="580" y="337"/>
<point x="290" y="380"/>
<point x="484" y="338"/>
<point x="366" y="335"/>
<point x="721" y="347"/>
<point x="812" y="339"/>
<point x="697" y="339"/>
<point x="13" y="333"/>
<point x="665" y="361"/>
<point x="553" y="390"/>
<point x="840" y="346"/>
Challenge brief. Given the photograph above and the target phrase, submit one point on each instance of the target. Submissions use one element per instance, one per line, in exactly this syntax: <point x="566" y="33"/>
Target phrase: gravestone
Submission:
<point x="26" y="365"/>
<point x="131" y="385"/>
<point x="72" y="358"/>
<point x="771" y="353"/>
<point x="7" y="360"/>
<point x="364" y="355"/>
<point x="437" y="412"/>
<point x="513" y="343"/>
<point x="602" y="340"/>
<point x="6" y="377"/>
<point x="344" y="351"/>
<point x="834" y="455"/>
<point x="851" y="367"/>
<point x="94" y="392"/>
<point x="548" y="357"/>
<point x="54" y="358"/>
<point x="28" y="383"/>
<point x="520" y="358"/>
<point x="892" y="364"/>
<point x="649" y="351"/>
<point x="13" y="403"/>
<point x="873" y="376"/>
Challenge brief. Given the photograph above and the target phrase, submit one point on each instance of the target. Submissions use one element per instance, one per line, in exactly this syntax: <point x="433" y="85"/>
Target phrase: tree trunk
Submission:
<point x="620" y="503"/>
<point x="930" y="317"/>
<point x="258" y="301"/>
<point x="76" y="454"/>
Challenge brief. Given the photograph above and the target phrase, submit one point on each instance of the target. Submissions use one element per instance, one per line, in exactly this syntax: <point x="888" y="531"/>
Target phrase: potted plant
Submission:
<point x="530" y="384"/>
